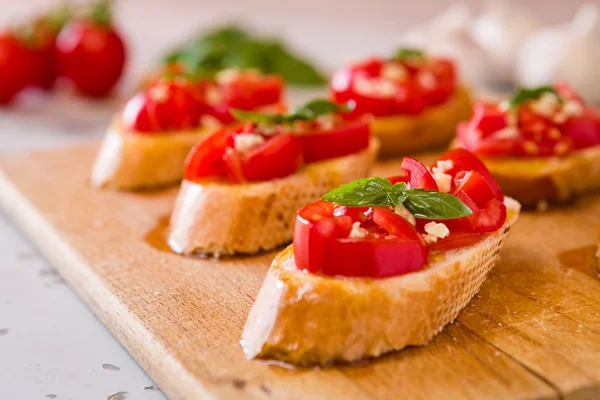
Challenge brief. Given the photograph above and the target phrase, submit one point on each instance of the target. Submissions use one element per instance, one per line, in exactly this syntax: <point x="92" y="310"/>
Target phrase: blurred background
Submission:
<point x="330" y="31"/>
<point x="485" y="37"/>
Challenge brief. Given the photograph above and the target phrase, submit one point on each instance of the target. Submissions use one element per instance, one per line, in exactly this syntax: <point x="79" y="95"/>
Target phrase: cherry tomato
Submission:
<point x="16" y="60"/>
<point x="206" y="157"/>
<point x="44" y="31"/>
<point x="464" y="160"/>
<point x="91" y="55"/>
<point x="321" y="244"/>
<point x="343" y="139"/>
<point x="166" y="105"/>
<point x="418" y="175"/>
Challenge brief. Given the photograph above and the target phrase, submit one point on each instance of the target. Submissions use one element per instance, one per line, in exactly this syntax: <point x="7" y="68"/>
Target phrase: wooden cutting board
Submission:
<point x="533" y="331"/>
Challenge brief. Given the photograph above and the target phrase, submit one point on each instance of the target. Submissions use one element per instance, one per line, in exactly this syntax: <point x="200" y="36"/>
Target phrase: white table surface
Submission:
<point x="51" y="345"/>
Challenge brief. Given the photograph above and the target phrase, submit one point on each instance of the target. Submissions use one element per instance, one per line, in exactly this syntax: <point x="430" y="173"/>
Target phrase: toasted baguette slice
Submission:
<point x="435" y="127"/>
<point x="129" y="161"/>
<point x="222" y="219"/>
<point x="305" y="319"/>
<point x="552" y="179"/>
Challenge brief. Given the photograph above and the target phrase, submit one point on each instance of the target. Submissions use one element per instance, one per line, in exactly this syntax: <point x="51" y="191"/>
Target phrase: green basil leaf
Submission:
<point x="407" y="53"/>
<point x="257" y="118"/>
<point x="307" y="112"/>
<point x="427" y="204"/>
<point x="294" y="69"/>
<point x="522" y="95"/>
<point x="316" y="108"/>
<point x="374" y="191"/>
<point x="231" y="46"/>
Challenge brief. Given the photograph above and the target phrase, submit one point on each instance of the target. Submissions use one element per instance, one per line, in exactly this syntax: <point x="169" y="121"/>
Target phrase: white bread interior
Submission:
<point x="305" y="319"/>
<point x="129" y="161"/>
<point x="219" y="218"/>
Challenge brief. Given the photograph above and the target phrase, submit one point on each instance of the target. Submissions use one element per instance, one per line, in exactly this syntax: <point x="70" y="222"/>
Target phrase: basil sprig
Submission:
<point x="306" y="112"/>
<point x="379" y="192"/>
<point x="407" y="53"/>
<point x="523" y="95"/>
<point x="234" y="47"/>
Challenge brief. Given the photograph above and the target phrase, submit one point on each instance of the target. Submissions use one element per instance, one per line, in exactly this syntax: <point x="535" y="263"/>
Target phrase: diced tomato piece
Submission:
<point x="489" y="218"/>
<point x="585" y="131"/>
<point x="206" y="157"/>
<point x="398" y="178"/>
<point x="418" y="175"/>
<point x="464" y="160"/>
<point x="423" y="84"/>
<point x="456" y="240"/>
<point x="475" y="186"/>
<point x="356" y="213"/>
<point x="319" y="245"/>
<point x="343" y="139"/>
<point x="487" y="118"/>
<point x="278" y="157"/>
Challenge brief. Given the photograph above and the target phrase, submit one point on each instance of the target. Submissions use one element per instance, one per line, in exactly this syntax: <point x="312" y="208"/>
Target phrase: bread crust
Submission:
<point x="221" y="219"/>
<point x="308" y="319"/>
<point x="130" y="161"/>
<point x="434" y="127"/>
<point x="551" y="179"/>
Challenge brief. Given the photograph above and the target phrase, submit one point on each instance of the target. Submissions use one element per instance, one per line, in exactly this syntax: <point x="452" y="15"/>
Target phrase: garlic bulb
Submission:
<point x="568" y="52"/>
<point x="500" y="30"/>
<point x="447" y="35"/>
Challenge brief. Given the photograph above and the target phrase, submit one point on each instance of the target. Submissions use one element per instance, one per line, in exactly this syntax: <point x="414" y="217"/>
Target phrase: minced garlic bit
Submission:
<point x="376" y="87"/>
<point x="429" y="239"/>
<point x="443" y="180"/>
<point x="572" y="108"/>
<point x="213" y="95"/>
<point x="560" y="117"/>
<point x="437" y="229"/>
<point x="229" y="75"/>
<point x="209" y="121"/>
<point x="326" y="121"/>
<point x="546" y="104"/>
<point x="244" y="142"/>
<point x="445" y="165"/>
<point x="394" y="72"/>
<point x="404" y="213"/>
<point x="357" y="232"/>
<point x="159" y="93"/>
<point x="426" y="80"/>
<point x="554" y="134"/>
<point x="510" y="132"/>
<point x="531" y="147"/>
<point x="561" y="148"/>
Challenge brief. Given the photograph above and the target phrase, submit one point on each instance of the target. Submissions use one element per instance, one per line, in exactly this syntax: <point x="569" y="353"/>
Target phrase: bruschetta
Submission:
<point x="146" y="145"/>
<point x="381" y="264"/>
<point x="542" y="146"/>
<point x="243" y="186"/>
<point x="414" y="101"/>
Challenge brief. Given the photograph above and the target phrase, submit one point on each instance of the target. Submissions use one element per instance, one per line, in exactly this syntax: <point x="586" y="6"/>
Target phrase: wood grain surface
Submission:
<point x="533" y="331"/>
